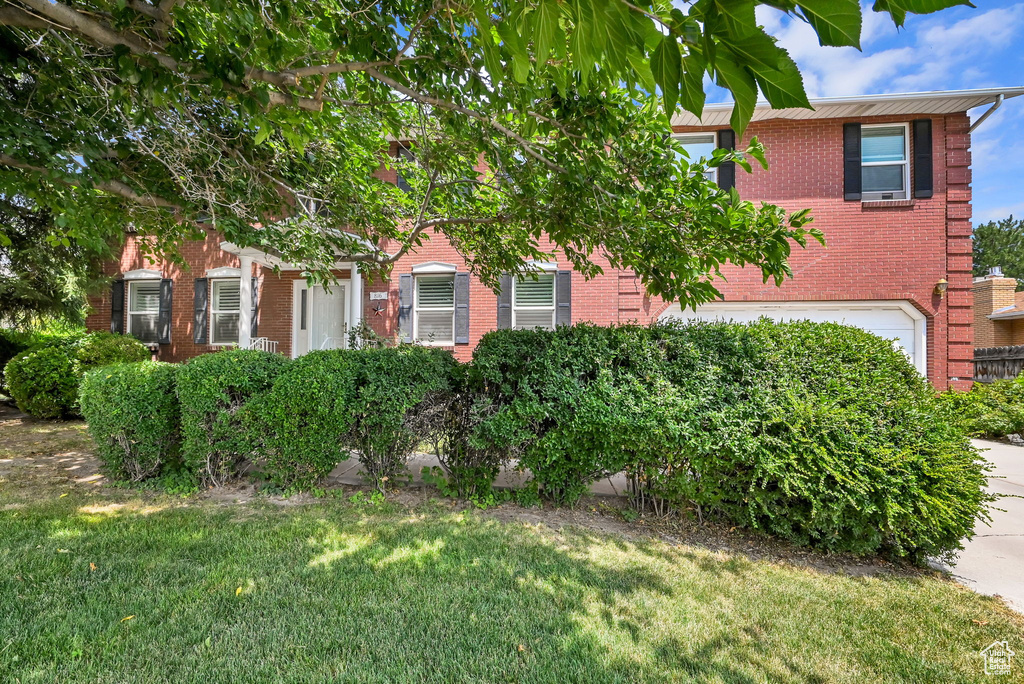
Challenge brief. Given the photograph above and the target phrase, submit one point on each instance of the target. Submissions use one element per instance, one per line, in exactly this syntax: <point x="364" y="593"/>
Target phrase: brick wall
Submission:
<point x="875" y="251"/>
<point x="990" y="294"/>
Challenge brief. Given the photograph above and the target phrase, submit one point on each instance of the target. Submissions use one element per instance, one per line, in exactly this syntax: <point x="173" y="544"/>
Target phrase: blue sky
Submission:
<point x="954" y="49"/>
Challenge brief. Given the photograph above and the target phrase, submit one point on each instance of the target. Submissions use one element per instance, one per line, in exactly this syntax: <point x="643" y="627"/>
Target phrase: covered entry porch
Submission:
<point x="294" y="316"/>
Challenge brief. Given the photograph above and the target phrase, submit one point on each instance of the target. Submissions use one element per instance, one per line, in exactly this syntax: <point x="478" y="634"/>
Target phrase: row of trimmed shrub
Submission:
<point x="42" y="372"/>
<point x="297" y="419"/>
<point x="990" y="410"/>
<point x="818" y="433"/>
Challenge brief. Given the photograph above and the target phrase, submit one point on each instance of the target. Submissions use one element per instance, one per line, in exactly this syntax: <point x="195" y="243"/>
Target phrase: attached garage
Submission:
<point x="894" y="320"/>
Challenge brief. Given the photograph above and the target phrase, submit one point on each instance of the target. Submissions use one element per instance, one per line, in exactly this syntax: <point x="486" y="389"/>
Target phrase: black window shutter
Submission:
<point x="255" y="310"/>
<point x="406" y="154"/>
<point x="461" y="308"/>
<point x="851" y="162"/>
<point x="727" y="171"/>
<point x="405" y="295"/>
<point x="922" y="158"/>
<point x="199" y="311"/>
<point x="117" y="307"/>
<point x="505" y="302"/>
<point x="164" y="316"/>
<point x="563" y="298"/>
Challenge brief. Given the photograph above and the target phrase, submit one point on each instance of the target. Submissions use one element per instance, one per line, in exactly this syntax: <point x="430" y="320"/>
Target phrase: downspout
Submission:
<point x="995" y="105"/>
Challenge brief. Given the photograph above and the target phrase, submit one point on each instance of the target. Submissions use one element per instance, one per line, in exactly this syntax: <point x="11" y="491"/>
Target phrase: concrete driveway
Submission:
<point x="993" y="562"/>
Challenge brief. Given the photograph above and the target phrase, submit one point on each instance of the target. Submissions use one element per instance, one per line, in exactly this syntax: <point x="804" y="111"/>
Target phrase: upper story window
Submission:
<point x="698" y="146"/>
<point x="434" y="310"/>
<point x="143" y="309"/>
<point x="533" y="302"/>
<point x="885" y="162"/>
<point x="225" y="309"/>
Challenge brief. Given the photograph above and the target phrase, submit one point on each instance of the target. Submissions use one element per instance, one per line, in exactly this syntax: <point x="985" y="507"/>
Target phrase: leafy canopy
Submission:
<point x="1000" y="243"/>
<point x="524" y="119"/>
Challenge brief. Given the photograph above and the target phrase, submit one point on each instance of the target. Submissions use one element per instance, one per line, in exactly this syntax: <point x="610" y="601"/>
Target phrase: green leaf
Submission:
<point x="516" y="47"/>
<point x="262" y="134"/>
<point x="642" y="69"/>
<point x="546" y="30"/>
<point x="782" y="87"/>
<point x="741" y="84"/>
<point x="898" y="9"/>
<point x="837" y="22"/>
<point x="692" y="95"/>
<point x="737" y="16"/>
<point x="666" y="66"/>
<point x="755" y="48"/>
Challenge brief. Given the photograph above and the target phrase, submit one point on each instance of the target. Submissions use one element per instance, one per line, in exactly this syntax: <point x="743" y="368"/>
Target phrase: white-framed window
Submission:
<point x="434" y="310"/>
<point x="144" y="309"/>
<point x="699" y="146"/>
<point x="885" y="161"/>
<point x="533" y="302"/>
<point x="225" y="307"/>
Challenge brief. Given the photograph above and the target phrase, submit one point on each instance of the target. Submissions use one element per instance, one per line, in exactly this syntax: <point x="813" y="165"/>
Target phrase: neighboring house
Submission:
<point x="887" y="178"/>
<point x="998" y="327"/>
<point x="998" y="311"/>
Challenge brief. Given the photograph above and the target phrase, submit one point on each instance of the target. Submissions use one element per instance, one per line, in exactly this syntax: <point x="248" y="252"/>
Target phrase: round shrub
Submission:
<point x="50" y="388"/>
<point x="103" y="348"/>
<point x="826" y="435"/>
<point x="396" y="404"/>
<point x="212" y="390"/>
<point x="306" y="417"/>
<point x="133" y="417"/>
<point x="12" y="343"/>
<point x="43" y="381"/>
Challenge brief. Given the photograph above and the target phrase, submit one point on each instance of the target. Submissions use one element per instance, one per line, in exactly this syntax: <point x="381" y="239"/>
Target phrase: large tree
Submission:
<point x="44" y="277"/>
<point x="272" y="119"/>
<point x="1000" y="243"/>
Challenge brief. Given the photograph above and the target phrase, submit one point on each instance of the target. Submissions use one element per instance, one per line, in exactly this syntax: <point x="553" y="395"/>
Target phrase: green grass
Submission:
<point x="339" y="592"/>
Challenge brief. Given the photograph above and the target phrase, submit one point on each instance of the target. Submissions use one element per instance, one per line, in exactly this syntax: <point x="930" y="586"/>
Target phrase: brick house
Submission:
<point x="887" y="178"/>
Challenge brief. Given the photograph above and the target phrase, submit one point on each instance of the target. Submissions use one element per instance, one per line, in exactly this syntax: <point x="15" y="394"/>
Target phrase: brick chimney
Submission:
<point x="991" y="293"/>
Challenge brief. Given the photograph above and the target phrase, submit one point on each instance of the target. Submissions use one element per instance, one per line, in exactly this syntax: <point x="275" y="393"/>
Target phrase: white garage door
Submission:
<point x="894" y="320"/>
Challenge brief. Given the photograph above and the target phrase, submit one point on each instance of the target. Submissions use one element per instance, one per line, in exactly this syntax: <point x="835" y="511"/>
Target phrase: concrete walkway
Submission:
<point x="993" y="562"/>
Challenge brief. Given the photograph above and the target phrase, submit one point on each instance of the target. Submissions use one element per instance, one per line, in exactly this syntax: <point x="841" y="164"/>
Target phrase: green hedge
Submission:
<point x="395" y="405"/>
<point x="213" y="390"/>
<point x="43" y="380"/>
<point x="133" y="417"/>
<point x="380" y="402"/>
<point x="470" y="463"/>
<point x="306" y="417"/>
<point x="818" y="433"/>
<point x="990" y="410"/>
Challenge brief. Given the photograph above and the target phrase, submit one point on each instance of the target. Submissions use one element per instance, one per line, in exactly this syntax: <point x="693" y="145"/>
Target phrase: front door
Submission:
<point x="318" y="318"/>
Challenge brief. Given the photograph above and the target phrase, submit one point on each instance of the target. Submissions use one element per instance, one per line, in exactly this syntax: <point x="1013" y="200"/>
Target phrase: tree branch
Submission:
<point x="112" y="187"/>
<point x="143" y="7"/>
<point x="13" y="16"/>
<point x="451" y="106"/>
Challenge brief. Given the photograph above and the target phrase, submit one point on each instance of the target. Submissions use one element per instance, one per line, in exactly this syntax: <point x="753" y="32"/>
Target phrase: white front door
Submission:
<point x="318" y="318"/>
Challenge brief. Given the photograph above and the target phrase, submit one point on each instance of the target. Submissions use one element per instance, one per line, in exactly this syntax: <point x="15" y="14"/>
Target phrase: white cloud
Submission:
<point x="941" y="56"/>
<point x="999" y="213"/>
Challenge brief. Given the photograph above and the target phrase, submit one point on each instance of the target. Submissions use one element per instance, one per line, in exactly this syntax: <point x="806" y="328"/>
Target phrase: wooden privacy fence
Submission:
<point x="998" y="363"/>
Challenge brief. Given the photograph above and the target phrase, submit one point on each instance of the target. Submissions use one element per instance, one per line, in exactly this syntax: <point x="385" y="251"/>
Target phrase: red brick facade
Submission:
<point x="875" y="251"/>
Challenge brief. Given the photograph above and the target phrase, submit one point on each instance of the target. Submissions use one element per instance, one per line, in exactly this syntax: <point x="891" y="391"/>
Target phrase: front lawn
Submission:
<point x="110" y="587"/>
